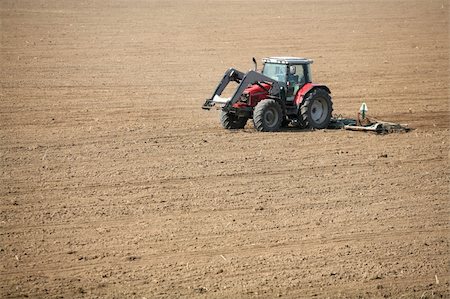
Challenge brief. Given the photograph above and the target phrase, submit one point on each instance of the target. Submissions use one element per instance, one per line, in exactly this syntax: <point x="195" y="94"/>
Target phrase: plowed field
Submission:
<point x="114" y="183"/>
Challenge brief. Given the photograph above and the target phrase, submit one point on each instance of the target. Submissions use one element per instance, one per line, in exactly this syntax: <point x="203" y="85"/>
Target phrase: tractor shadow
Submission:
<point x="249" y="129"/>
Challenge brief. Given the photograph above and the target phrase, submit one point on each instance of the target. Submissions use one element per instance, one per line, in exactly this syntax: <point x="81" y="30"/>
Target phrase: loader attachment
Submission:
<point x="244" y="81"/>
<point x="230" y="75"/>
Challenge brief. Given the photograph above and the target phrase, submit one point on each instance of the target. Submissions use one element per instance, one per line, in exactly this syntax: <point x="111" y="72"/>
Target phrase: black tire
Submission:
<point x="267" y="116"/>
<point x="300" y="124"/>
<point x="230" y="121"/>
<point x="316" y="109"/>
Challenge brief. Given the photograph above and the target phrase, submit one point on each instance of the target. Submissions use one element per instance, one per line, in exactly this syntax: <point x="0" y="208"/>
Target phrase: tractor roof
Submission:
<point x="287" y="60"/>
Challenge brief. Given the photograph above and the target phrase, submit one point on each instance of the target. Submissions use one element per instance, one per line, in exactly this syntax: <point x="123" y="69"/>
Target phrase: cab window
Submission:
<point x="296" y="74"/>
<point x="275" y="71"/>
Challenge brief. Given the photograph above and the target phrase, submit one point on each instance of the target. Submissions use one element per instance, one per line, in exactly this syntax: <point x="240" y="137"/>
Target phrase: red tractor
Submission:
<point x="282" y="94"/>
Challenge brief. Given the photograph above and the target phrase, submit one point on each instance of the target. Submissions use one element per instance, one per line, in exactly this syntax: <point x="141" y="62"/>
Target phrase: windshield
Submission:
<point x="275" y="71"/>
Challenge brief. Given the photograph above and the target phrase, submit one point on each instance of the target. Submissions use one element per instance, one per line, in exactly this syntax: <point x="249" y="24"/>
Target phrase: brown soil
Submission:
<point x="114" y="183"/>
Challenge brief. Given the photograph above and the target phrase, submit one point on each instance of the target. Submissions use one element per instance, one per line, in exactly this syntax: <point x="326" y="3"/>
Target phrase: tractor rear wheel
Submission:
<point x="316" y="110"/>
<point x="232" y="121"/>
<point x="267" y="116"/>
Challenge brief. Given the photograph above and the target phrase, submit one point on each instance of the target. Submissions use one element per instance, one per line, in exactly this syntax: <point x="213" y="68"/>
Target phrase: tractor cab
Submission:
<point x="291" y="72"/>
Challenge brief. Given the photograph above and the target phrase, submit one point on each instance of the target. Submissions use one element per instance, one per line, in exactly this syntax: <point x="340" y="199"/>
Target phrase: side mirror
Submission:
<point x="254" y="62"/>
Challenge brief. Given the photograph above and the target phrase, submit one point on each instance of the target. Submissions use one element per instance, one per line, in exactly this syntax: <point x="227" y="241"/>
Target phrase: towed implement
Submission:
<point x="281" y="94"/>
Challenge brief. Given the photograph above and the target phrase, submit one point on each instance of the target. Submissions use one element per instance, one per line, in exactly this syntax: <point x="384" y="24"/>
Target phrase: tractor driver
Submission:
<point x="295" y="76"/>
<point x="292" y="75"/>
<point x="294" y="81"/>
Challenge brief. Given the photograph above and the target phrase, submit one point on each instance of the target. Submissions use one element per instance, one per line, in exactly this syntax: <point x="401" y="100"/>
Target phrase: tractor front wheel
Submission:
<point x="316" y="110"/>
<point x="267" y="116"/>
<point x="232" y="121"/>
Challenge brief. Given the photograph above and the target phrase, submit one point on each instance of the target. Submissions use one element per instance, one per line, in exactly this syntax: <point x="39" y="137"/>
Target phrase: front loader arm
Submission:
<point x="245" y="80"/>
<point x="230" y="75"/>
<point x="250" y="78"/>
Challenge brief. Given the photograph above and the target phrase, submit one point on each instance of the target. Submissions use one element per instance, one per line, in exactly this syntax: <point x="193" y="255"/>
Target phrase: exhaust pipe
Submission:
<point x="256" y="65"/>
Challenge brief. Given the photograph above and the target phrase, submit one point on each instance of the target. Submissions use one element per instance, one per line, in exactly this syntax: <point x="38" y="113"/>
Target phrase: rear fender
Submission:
<point x="305" y="89"/>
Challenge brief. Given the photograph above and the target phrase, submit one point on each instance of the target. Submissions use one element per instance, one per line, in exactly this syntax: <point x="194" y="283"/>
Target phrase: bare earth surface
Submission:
<point x="114" y="183"/>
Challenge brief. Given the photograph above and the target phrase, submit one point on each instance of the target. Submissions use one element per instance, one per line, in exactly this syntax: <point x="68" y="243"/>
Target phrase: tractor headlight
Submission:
<point x="244" y="97"/>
